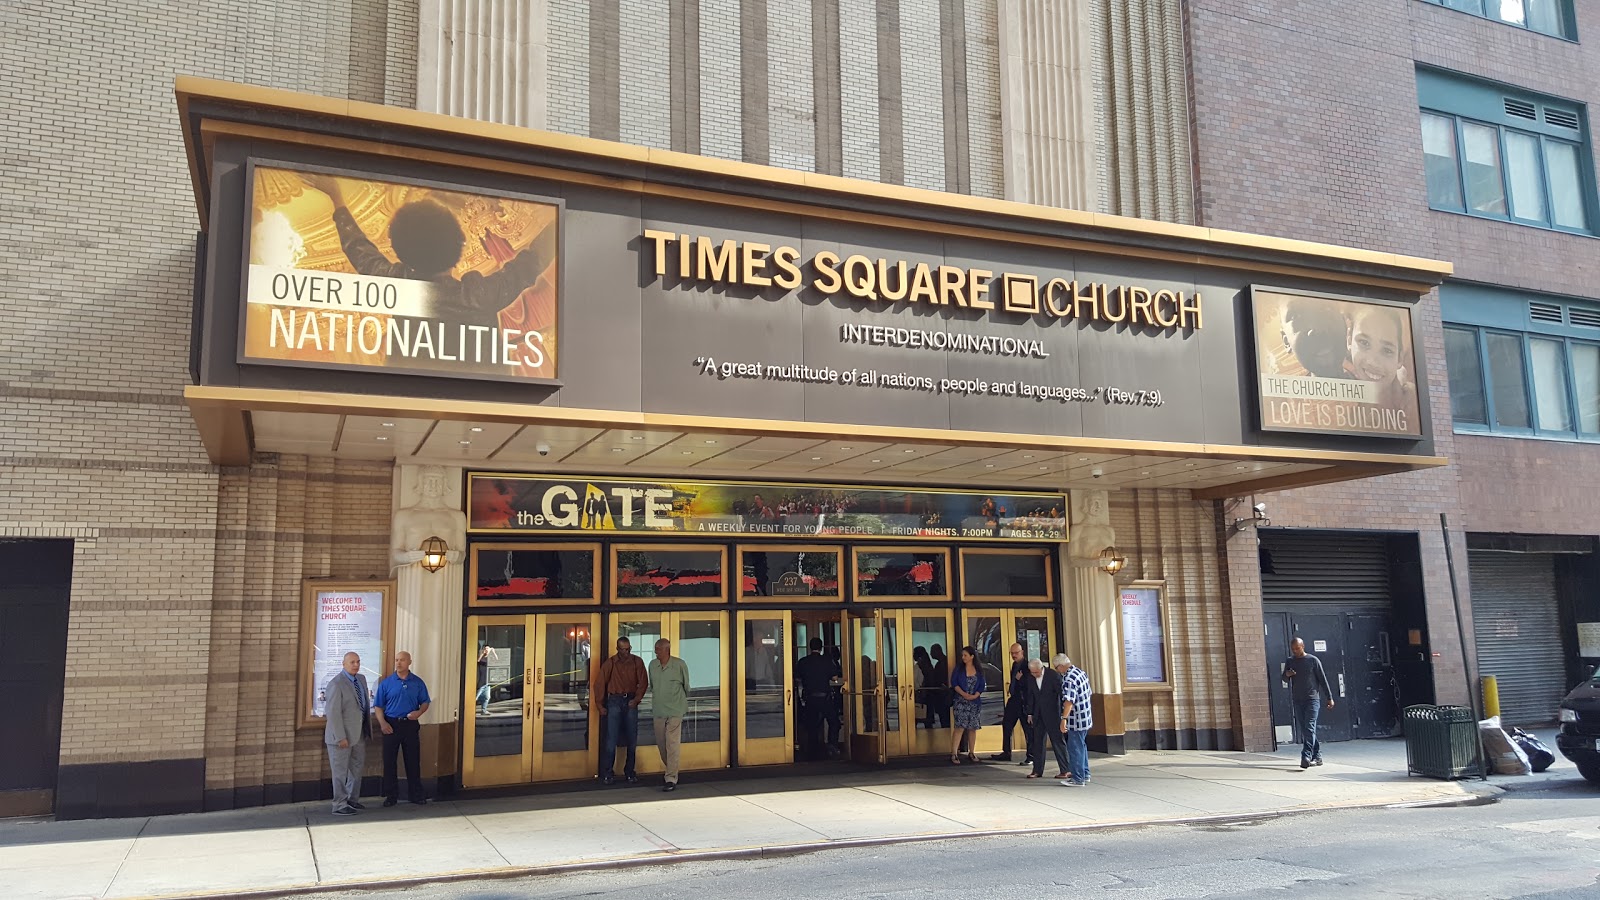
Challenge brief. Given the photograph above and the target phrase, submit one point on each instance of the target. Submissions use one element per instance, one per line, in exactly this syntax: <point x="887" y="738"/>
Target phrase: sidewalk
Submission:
<point x="302" y="846"/>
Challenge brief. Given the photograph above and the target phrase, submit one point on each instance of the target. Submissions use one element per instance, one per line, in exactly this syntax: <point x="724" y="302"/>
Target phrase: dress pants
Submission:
<point x="1078" y="753"/>
<point x="669" y="741"/>
<point x="403" y="741"/>
<point x="621" y="728"/>
<point x="346" y="764"/>
<point x="1013" y="718"/>
<point x="1048" y="733"/>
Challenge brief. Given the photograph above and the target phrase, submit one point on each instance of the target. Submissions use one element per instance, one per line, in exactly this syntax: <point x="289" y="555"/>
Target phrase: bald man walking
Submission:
<point x="1016" y="712"/>
<point x="401" y="700"/>
<point x="349" y="726"/>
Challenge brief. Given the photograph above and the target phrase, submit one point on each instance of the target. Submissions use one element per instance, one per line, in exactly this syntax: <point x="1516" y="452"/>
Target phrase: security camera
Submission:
<point x="1097" y="472"/>
<point x="544" y="449"/>
<point x="1261" y="509"/>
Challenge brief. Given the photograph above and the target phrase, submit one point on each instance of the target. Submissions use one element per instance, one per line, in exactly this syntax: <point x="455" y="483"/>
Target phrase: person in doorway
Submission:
<point x="1076" y="719"/>
<point x="967" y="682"/>
<point x="623" y="681"/>
<point x="922" y="673"/>
<point x="349" y="726"/>
<point x="1308" y="685"/>
<point x="1043" y="686"/>
<point x="815" y="674"/>
<point x="1016" y="713"/>
<point x="485" y="689"/>
<point x="669" y="699"/>
<point x="401" y="700"/>
<point x="938" y="687"/>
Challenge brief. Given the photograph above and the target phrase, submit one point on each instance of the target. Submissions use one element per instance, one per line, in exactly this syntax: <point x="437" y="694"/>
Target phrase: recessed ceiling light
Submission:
<point x="988" y="465"/>
<point x="687" y="452"/>
<point x="1083" y="459"/>
<point x="1239" y="468"/>
<point x="711" y="442"/>
<point x="846" y="448"/>
<point x="877" y="460"/>
<point x="816" y="459"/>
<point x="638" y="437"/>
<point x="383" y="437"/>
<point x="908" y="450"/>
<point x="477" y="428"/>
<point x="388" y="424"/>
<point x="1027" y="456"/>
<point x="616" y="449"/>
<point x="466" y="443"/>
<point x="1042" y="468"/>
<point x="1144" y="473"/>
<point x="1188" y="465"/>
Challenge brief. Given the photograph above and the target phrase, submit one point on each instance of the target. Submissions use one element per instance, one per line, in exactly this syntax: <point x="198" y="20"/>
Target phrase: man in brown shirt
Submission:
<point x="623" y="681"/>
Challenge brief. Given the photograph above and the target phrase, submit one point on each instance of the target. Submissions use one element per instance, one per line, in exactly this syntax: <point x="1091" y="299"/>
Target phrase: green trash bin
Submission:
<point x="1441" y="741"/>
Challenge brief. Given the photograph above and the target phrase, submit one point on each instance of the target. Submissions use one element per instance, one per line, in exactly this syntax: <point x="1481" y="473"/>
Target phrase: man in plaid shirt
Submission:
<point x="1076" y="719"/>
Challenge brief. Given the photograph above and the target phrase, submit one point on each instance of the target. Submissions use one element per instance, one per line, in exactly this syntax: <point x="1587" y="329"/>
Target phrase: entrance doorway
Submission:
<point x="532" y="692"/>
<point x="35" y="581"/>
<point x="899" y="686"/>
<point x="992" y="632"/>
<point x="772" y="709"/>
<point x="699" y="639"/>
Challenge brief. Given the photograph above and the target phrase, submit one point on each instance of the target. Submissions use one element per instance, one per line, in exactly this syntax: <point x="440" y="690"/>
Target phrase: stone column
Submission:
<point x="484" y="59"/>
<point x="1047" y="112"/>
<point x="1094" y="623"/>
<point x="429" y="503"/>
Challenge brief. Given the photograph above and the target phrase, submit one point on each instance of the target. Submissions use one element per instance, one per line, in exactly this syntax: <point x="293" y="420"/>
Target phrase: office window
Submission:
<point x="1520" y="366"/>
<point x="1493" y="151"/>
<point x="1552" y="17"/>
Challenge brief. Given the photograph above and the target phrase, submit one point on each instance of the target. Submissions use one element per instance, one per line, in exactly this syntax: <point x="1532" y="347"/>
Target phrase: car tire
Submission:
<point x="1589" y="770"/>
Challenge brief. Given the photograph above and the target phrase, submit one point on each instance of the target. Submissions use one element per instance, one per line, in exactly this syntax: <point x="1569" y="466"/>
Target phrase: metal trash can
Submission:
<point x="1441" y="741"/>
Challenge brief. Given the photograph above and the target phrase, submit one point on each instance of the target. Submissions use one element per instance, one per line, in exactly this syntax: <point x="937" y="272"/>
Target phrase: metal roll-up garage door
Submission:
<point x="1517" y="627"/>
<point x="1339" y="568"/>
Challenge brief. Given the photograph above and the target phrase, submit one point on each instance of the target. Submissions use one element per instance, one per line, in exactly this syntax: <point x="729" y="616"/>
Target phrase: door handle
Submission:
<point x="788" y="697"/>
<point x="526" y="710"/>
<point x="527" y="676"/>
<point x="539" y="675"/>
<point x="538" y="709"/>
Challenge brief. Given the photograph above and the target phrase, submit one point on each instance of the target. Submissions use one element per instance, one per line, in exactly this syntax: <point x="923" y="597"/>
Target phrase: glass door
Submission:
<point x="527" y="702"/>
<point x="927" y="655"/>
<point x="992" y="632"/>
<point x="865" y="690"/>
<point x="766" y="671"/>
<point x="697" y="638"/>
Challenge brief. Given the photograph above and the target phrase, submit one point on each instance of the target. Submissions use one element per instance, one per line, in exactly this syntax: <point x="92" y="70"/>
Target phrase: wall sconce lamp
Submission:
<point x="1112" y="560"/>
<point x="433" y="553"/>
<point x="1257" y="519"/>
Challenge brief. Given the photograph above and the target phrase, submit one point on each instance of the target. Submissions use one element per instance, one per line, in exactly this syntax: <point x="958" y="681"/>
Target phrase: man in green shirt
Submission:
<point x="669" y="696"/>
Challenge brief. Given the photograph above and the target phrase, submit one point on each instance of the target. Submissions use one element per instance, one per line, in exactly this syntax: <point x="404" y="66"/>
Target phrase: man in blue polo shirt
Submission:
<point x="401" y="700"/>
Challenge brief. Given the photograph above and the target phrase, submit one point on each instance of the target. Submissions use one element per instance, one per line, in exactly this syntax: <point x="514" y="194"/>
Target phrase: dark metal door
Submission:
<point x="1277" y="637"/>
<point x="1369" y="667"/>
<point x="1324" y="637"/>
<point x="35" y="578"/>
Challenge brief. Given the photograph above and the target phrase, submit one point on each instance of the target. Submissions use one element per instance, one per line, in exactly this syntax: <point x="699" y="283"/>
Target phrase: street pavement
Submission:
<point x="302" y="847"/>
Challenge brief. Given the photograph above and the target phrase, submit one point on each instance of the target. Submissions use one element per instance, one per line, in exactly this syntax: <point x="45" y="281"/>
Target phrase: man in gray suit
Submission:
<point x="349" y="725"/>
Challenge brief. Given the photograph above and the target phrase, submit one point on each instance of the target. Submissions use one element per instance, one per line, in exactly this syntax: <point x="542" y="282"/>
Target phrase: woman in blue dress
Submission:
<point x="967" y="683"/>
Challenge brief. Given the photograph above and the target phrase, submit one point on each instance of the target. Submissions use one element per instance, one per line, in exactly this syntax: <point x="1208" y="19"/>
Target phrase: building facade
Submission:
<point x="184" y="506"/>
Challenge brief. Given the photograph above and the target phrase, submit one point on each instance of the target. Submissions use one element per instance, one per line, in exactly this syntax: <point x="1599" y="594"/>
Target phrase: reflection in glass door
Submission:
<point x="992" y="632"/>
<point x="766" y="671"/>
<point x="864" y="691"/>
<point x="697" y="638"/>
<point x="527" y="704"/>
<point x="927" y="654"/>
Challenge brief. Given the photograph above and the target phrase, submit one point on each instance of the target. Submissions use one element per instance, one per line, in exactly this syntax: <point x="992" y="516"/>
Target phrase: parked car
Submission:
<point x="1579" y="738"/>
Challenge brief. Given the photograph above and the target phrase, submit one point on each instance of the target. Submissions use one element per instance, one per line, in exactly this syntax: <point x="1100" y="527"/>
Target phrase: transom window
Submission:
<point x="1552" y="17"/>
<point x="1493" y="152"/>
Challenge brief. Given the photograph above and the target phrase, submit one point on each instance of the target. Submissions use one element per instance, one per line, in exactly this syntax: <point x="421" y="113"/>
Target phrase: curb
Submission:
<point x="1486" y="795"/>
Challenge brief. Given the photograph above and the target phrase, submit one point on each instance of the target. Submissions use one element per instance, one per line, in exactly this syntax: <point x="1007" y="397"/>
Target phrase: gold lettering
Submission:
<point x="1053" y="291"/>
<point x="1140" y="301"/>
<point x="660" y="238"/>
<point x="1184" y="308"/>
<point x="827" y="280"/>
<point x="951" y="281"/>
<point x="883" y="281"/>
<point x="1160" y="302"/>
<point x="978" y="288"/>
<point x="786" y="260"/>
<point x="1121" y="293"/>
<point x="755" y="260"/>
<point x="859" y="278"/>
<point x="1094" y="298"/>
<point x="922" y="284"/>
<point x="685" y="242"/>
<point x="720" y="264"/>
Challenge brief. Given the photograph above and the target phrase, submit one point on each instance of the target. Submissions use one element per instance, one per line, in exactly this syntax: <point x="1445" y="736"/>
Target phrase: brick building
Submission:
<point x="164" y="537"/>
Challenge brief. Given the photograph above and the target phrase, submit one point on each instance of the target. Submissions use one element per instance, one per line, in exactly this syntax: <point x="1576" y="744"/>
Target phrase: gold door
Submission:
<point x="865" y="691"/>
<point x="699" y="639"/>
<point x="924" y="637"/>
<point x="992" y="632"/>
<point x="565" y="730"/>
<point x="766" y="673"/>
<point x="497" y="725"/>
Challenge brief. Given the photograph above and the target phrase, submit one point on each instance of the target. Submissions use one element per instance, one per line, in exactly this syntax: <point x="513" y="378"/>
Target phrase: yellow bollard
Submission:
<point x="1491" y="696"/>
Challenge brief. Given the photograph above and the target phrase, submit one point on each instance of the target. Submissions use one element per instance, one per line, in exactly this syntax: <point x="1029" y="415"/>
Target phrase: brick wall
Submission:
<point x="97" y="224"/>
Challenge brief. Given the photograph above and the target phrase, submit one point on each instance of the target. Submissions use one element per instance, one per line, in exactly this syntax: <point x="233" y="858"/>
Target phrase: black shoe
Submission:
<point x="1305" y="763"/>
<point x="1000" y="756"/>
<point x="1316" y="762"/>
<point x="390" y="802"/>
<point x="356" y="804"/>
<point x="607" y="779"/>
<point x="420" y="801"/>
<point x="344" y="811"/>
<point x="669" y="787"/>
<point x="633" y="779"/>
